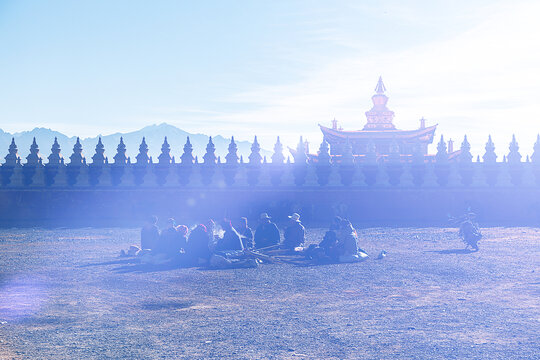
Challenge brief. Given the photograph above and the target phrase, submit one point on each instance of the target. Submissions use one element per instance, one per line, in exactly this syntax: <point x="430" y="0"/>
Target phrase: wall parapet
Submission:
<point x="322" y="171"/>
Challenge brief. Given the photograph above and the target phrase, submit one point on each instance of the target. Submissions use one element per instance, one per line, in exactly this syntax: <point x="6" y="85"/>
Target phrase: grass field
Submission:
<point x="64" y="294"/>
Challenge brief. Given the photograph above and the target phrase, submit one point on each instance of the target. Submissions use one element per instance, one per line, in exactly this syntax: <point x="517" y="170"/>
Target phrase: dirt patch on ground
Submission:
<point x="65" y="294"/>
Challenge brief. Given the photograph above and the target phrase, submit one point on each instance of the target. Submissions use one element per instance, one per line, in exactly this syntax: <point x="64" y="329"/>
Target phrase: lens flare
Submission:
<point x="21" y="298"/>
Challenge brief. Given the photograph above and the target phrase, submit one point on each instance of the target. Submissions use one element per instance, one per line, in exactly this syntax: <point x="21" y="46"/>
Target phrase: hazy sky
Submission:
<point x="271" y="67"/>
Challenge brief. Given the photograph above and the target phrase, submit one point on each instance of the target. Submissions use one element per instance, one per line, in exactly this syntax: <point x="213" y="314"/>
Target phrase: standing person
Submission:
<point x="295" y="233"/>
<point x="149" y="233"/>
<point x="245" y="233"/>
<point x="230" y="240"/>
<point x="267" y="233"/>
<point x="197" y="250"/>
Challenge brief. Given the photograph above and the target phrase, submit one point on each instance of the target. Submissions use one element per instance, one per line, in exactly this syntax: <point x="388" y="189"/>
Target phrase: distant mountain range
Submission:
<point x="153" y="134"/>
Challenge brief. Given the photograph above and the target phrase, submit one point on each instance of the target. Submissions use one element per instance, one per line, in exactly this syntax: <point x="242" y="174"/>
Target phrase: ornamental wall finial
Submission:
<point x="120" y="158"/>
<point x="187" y="156"/>
<point x="55" y="158"/>
<point x="278" y="157"/>
<point x="465" y="156"/>
<point x="99" y="157"/>
<point x="34" y="158"/>
<point x="514" y="156"/>
<point x="301" y="156"/>
<point x="324" y="153"/>
<point x="232" y="155"/>
<point x="77" y="158"/>
<point x="489" y="155"/>
<point x="255" y="156"/>
<point x="142" y="157"/>
<point x="165" y="156"/>
<point x="210" y="156"/>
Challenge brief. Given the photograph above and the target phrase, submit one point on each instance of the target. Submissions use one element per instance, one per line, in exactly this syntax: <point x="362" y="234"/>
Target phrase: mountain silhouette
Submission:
<point x="154" y="135"/>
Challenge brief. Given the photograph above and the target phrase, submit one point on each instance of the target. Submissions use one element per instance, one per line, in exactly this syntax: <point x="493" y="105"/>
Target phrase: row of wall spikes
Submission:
<point x="300" y="156"/>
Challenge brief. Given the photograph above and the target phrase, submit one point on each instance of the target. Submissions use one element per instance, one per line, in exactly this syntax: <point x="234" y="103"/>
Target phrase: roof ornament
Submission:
<point x="380" y="88"/>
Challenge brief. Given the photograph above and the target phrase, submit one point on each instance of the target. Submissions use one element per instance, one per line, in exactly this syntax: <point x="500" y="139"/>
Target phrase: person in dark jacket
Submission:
<point x="197" y="250"/>
<point x="149" y="234"/>
<point x="295" y="233"/>
<point x="329" y="245"/>
<point x="230" y="240"/>
<point x="267" y="233"/>
<point x="171" y="241"/>
<point x="328" y="249"/>
<point x="245" y="233"/>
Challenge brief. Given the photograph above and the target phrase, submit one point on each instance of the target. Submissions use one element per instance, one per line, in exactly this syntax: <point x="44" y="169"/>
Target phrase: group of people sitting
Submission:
<point x="203" y="243"/>
<point x="340" y="244"/>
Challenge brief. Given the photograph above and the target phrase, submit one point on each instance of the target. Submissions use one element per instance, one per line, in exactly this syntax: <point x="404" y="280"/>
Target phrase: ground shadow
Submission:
<point x="112" y="262"/>
<point x="148" y="268"/>
<point x="455" y="251"/>
<point x="167" y="305"/>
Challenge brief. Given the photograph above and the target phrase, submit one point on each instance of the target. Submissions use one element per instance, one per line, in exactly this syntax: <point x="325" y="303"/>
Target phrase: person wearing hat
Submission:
<point x="295" y="233"/>
<point x="267" y="233"/>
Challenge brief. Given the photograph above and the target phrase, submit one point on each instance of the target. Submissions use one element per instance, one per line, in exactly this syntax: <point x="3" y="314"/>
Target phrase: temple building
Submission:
<point x="379" y="132"/>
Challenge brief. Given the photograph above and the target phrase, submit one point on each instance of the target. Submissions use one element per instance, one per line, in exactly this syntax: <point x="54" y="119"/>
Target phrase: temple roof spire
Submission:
<point x="380" y="88"/>
<point x="379" y="117"/>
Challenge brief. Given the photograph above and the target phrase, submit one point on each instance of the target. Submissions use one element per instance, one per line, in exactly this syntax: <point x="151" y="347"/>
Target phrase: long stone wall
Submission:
<point x="369" y="189"/>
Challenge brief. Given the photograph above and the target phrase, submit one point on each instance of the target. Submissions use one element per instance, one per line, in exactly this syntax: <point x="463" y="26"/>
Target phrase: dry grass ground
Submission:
<point x="65" y="295"/>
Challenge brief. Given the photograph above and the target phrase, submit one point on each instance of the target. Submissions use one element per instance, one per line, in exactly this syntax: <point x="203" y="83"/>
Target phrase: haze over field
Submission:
<point x="153" y="134"/>
<point x="271" y="68"/>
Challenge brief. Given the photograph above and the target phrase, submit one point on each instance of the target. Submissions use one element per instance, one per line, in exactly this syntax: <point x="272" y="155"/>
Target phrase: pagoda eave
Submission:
<point x="423" y="135"/>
